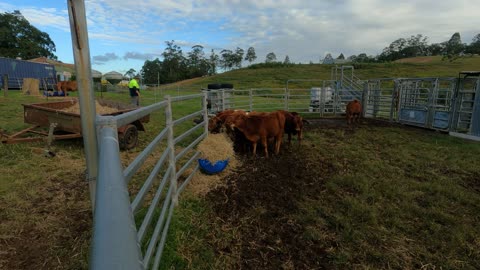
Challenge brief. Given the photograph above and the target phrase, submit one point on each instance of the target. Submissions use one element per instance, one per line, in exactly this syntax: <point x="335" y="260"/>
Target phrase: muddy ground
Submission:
<point x="262" y="201"/>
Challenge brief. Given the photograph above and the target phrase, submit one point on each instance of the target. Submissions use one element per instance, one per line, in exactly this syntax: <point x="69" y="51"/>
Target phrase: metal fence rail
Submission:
<point x="131" y="234"/>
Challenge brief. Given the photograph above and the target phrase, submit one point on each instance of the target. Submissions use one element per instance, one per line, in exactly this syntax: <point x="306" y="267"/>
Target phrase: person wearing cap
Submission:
<point x="134" y="90"/>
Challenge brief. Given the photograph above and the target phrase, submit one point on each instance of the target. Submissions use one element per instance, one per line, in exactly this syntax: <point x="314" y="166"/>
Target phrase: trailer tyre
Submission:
<point x="129" y="138"/>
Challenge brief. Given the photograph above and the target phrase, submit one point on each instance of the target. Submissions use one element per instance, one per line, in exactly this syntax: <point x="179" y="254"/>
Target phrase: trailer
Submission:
<point x="64" y="123"/>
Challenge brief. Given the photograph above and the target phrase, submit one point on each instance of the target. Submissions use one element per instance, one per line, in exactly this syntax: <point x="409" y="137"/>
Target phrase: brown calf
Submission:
<point x="354" y="111"/>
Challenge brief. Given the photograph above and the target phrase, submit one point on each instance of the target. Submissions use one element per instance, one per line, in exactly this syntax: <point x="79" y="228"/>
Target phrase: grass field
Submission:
<point x="380" y="196"/>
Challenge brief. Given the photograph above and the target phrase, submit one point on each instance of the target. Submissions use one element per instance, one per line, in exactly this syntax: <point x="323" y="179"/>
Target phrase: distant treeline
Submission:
<point x="177" y="66"/>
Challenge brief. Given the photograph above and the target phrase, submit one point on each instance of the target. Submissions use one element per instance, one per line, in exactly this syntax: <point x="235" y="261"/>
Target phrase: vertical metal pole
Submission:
<point x="81" y="53"/>
<point x="392" y="104"/>
<point x="222" y="94"/>
<point x="285" y="105"/>
<point x="5" y="85"/>
<point x="250" y="93"/>
<point x="475" y="120"/>
<point x="171" y="148"/>
<point x="205" y="112"/>
<point x="364" y="99"/>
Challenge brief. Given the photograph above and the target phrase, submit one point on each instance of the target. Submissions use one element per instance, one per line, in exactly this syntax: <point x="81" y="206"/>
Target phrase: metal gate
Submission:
<point x="466" y="113"/>
<point x="426" y="102"/>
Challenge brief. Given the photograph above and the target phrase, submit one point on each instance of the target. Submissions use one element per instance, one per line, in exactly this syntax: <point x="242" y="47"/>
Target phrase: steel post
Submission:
<point x="81" y="53"/>
<point x="171" y="148"/>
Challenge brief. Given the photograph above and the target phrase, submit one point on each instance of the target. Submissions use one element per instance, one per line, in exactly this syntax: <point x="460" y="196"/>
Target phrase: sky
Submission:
<point x="123" y="34"/>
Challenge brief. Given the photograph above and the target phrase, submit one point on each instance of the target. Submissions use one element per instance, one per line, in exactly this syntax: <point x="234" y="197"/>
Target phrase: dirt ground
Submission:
<point x="262" y="201"/>
<point x="51" y="229"/>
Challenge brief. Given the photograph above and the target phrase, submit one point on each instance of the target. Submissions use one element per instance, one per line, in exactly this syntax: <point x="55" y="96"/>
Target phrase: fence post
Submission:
<point x="81" y="53"/>
<point x="285" y="106"/>
<point x="222" y="94"/>
<point x="171" y="149"/>
<point x="364" y="99"/>
<point x="250" y="93"/>
<point x="5" y="85"/>
<point x="205" y="111"/>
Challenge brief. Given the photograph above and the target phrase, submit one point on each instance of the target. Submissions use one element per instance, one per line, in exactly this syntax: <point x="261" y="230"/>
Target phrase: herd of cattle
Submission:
<point x="248" y="128"/>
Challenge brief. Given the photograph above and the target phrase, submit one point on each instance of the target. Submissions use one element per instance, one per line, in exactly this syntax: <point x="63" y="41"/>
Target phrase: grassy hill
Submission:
<point x="431" y="66"/>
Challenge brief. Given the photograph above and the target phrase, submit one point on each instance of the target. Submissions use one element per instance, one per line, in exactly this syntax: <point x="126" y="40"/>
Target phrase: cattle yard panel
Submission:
<point x="316" y="97"/>
<point x="426" y="102"/>
<point x="466" y="113"/>
<point x="133" y="231"/>
<point x="379" y="99"/>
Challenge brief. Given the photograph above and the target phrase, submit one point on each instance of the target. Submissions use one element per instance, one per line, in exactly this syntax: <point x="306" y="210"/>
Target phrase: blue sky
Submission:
<point x="123" y="34"/>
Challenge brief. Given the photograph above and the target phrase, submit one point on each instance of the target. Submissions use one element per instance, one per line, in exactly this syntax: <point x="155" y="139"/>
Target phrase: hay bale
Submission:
<point x="216" y="147"/>
<point x="100" y="109"/>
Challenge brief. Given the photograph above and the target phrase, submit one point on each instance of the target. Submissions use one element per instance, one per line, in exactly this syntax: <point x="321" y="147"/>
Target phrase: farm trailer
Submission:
<point x="67" y="125"/>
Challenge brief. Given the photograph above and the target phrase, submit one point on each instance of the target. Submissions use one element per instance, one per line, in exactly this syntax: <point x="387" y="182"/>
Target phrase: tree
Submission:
<point x="174" y="66"/>
<point x="328" y="59"/>
<point x="436" y="48"/>
<point x="18" y="38"/>
<point x="271" y="58"/>
<point x="474" y="47"/>
<point x="454" y="47"/>
<point x="227" y="60"/>
<point x="130" y="73"/>
<point x="152" y="72"/>
<point x="197" y="64"/>
<point x="341" y="56"/>
<point x="238" y="57"/>
<point x="250" y="56"/>
<point x="287" y="60"/>
<point x="362" y="58"/>
<point x="213" y="62"/>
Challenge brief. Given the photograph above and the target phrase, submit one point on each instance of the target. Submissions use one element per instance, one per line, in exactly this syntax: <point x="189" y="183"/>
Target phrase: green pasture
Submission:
<point x="400" y="198"/>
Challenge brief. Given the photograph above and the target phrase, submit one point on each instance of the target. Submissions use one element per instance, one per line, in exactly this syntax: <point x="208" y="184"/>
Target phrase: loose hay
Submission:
<point x="215" y="147"/>
<point x="100" y="109"/>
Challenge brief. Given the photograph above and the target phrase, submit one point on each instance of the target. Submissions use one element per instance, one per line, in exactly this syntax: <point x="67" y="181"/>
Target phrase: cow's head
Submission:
<point x="297" y="121"/>
<point x="214" y="124"/>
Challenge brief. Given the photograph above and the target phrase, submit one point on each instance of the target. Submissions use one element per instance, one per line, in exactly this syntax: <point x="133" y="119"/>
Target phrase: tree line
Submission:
<point x="418" y="46"/>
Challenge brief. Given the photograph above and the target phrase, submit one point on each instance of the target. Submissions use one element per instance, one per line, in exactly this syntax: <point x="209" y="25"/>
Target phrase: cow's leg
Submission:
<point x="254" y="148"/>
<point x="265" y="145"/>
<point x="289" y="139"/>
<point x="278" y="143"/>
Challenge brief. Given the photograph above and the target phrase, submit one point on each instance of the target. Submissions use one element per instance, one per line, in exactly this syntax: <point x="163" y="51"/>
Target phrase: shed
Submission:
<point x="17" y="70"/>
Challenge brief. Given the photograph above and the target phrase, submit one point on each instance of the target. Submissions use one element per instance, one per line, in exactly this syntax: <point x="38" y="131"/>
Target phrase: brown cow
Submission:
<point x="65" y="86"/>
<point x="260" y="128"/>
<point x="215" y="123"/>
<point x="354" y="111"/>
<point x="293" y="125"/>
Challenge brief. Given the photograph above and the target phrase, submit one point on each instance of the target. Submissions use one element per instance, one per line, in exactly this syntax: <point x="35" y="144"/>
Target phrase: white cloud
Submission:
<point x="303" y="29"/>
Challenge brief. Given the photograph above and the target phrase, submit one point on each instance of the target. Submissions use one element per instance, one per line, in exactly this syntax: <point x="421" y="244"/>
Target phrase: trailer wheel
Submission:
<point x="129" y="138"/>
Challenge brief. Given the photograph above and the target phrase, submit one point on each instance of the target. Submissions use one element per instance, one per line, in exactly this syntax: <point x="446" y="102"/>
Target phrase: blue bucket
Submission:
<point x="207" y="167"/>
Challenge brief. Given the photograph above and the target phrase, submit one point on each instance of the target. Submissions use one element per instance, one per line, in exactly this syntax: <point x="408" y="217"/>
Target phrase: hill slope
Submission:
<point x="277" y="77"/>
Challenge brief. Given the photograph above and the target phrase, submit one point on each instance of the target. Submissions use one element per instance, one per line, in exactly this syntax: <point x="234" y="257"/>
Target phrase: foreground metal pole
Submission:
<point x="81" y="53"/>
<point x="114" y="241"/>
